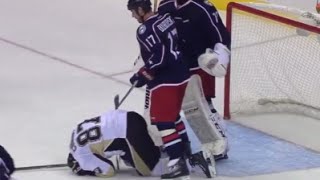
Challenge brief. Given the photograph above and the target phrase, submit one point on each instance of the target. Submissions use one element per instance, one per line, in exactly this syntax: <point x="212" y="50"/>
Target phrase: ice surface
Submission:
<point x="63" y="61"/>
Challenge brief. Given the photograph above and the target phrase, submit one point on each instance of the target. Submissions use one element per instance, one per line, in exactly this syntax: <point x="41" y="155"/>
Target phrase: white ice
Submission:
<point x="64" y="60"/>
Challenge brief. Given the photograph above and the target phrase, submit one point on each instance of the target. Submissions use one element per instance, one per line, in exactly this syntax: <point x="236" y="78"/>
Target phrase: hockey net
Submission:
<point x="275" y="61"/>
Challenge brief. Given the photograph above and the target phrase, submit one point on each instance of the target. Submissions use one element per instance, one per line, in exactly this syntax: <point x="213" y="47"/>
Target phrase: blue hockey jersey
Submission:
<point x="158" y="41"/>
<point x="199" y="27"/>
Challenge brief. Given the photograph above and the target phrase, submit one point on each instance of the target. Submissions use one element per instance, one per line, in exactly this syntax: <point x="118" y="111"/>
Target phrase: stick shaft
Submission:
<point x="41" y="167"/>
<point x="117" y="105"/>
<point x="127" y="94"/>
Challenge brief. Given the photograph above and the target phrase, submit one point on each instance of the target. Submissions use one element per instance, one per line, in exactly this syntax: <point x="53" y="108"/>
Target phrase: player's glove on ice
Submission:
<point x="141" y="77"/>
<point x="75" y="167"/>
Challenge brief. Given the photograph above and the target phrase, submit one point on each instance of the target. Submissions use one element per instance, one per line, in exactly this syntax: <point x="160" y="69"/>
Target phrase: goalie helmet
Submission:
<point x="134" y="4"/>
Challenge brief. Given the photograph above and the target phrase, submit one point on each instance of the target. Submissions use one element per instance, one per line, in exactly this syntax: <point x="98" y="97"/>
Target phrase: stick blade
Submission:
<point x="116" y="101"/>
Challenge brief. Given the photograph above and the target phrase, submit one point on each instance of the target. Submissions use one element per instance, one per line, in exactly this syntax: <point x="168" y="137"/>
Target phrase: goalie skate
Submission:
<point x="202" y="121"/>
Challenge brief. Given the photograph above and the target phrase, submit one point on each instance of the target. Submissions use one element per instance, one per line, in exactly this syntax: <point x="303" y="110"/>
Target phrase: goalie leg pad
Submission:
<point x="201" y="120"/>
<point x="207" y="82"/>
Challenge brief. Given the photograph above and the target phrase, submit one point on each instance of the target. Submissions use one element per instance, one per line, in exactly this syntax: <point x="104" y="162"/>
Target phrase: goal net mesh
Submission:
<point x="275" y="65"/>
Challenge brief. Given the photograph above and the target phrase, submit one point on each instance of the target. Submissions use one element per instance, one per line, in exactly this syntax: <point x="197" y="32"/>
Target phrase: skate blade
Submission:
<point x="211" y="164"/>
<point x="213" y="172"/>
<point x="184" y="178"/>
<point x="180" y="178"/>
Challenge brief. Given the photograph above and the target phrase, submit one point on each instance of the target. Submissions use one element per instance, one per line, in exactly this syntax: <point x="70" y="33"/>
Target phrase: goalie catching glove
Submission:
<point x="215" y="62"/>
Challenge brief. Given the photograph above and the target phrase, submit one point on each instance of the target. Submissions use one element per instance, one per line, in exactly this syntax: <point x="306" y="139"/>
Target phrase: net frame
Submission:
<point x="259" y="9"/>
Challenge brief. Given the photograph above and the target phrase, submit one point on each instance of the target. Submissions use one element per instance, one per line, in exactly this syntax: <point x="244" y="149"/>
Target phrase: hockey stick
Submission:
<point x="155" y="5"/>
<point x="41" y="167"/>
<point x="117" y="104"/>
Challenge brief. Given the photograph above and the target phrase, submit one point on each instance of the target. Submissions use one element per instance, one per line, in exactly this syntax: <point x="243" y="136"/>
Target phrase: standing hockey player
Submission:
<point x="204" y="42"/>
<point x="203" y="37"/>
<point x="117" y="132"/>
<point x="6" y="164"/>
<point x="166" y="77"/>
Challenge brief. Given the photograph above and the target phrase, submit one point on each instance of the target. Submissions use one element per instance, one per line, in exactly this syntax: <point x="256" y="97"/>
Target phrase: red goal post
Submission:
<point x="275" y="61"/>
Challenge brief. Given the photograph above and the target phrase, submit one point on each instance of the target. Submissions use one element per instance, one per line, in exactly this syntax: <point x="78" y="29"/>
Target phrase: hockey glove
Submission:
<point x="141" y="77"/>
<point x="75" y="167"/>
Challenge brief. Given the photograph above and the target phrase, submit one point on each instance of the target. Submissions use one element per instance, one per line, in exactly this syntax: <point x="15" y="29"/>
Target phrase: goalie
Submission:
<point x="204" y="42"/>
<point x="118" y="132"/>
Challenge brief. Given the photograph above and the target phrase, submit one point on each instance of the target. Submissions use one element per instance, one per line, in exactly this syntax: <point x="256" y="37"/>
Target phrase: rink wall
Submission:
<point x="222" y="4"/>
<point x="309" y="5"/>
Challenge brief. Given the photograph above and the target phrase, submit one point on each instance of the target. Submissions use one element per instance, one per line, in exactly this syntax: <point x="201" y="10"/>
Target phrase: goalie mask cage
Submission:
<point x="275" y="61"/>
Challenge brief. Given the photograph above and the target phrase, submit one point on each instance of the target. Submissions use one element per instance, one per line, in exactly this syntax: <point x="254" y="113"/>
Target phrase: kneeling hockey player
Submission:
<point x="122" y="133"/>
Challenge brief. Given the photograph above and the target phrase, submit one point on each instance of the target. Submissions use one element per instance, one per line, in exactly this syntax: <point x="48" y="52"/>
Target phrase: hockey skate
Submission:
<point x="178" y="169"/>
<point x="206" y="165"/>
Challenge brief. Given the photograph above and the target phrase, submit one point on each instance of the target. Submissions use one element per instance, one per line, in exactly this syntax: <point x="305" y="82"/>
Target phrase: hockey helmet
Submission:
<point x="134" y="4"/>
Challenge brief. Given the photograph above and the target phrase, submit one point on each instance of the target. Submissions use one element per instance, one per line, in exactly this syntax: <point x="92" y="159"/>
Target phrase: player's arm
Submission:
<point x="151" y="44"/>
<point x="81" y="158"/>
<point x="216" y="58"/>
<point x="89" y="164"/>
<point x="156" y="47"/>
<point x="216" y="30"/>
